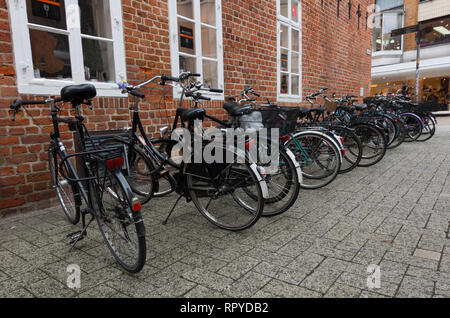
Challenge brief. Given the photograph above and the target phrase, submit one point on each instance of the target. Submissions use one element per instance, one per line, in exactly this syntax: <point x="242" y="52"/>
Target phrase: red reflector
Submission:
<point x="114" y="163"/>
<point x="343" y="152"/>
<point x="250" y="144"/>
<point x="137" y="206"/>
<point x="286" y="138"/>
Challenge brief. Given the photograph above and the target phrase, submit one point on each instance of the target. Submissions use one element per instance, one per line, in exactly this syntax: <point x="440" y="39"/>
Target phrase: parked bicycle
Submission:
<point x="101" y="184"/>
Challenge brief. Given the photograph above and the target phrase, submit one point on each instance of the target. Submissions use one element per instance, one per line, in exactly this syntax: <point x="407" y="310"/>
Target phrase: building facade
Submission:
<point x="284" y="49"/>
<point x="394" y="58"/>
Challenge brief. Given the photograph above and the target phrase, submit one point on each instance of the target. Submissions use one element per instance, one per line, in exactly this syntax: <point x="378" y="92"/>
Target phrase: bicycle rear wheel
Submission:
<point x="67" y="193"/>
<point x="429" y="129"/>
<point x="413" y="126"/>
<point x="121" y="227"/>
<point x="283" y="184"/>
<point x="353" y="149"/>
<point x="373" y="141"/>
<point x="223" y="197"/>
<point x="319" y="158"/>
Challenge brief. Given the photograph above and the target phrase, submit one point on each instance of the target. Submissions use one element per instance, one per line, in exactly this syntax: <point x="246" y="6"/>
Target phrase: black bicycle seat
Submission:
<point x="76" y="94"/>
<point x="360" y="107"/>
<point x="349" y="109"/>
<point x="237" y="110"/>
<point x="191" y="114"/>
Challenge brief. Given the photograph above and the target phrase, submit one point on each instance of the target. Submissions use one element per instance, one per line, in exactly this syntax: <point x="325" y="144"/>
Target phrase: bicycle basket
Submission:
<point x="331" y="106"/>
<point x="282" y="118"/>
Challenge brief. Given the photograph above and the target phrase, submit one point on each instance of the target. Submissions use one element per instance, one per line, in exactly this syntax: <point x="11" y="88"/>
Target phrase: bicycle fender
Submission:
<point x="137" y="216"/>
<point x="296" y="164"/>
<point x="263" y="184"/>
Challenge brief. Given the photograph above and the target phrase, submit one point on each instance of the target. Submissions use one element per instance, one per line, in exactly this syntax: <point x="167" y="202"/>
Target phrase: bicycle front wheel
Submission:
<point x="121" y="227"/>
<point x="67" y="193"/>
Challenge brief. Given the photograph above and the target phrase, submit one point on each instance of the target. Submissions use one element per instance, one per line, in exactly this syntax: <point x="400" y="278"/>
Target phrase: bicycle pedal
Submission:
<point x="76" y="236"/>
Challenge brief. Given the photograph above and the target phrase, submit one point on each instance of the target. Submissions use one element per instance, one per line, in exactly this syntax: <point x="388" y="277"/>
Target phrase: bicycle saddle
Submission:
<point x="360" y="107"/>
<point x="191" y="114"/>
<point x="236" y="110"/>
<point x="76" y="94"/>
<point x="349" y="109"/>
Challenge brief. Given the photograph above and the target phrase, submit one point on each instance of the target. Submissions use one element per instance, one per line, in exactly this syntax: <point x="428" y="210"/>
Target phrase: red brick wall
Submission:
<point x="334" y="55"/>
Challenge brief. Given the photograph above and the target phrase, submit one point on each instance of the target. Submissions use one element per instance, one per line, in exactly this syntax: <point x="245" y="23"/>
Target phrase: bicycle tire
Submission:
<point x="323" y="140"/>
<point x="122" y="211"/>
<point x="221" y="212"/>
<point x="377" y="137"/>
<point x="71" y="208"/>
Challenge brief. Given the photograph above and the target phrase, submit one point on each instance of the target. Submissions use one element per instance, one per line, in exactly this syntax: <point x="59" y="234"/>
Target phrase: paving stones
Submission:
<point x="387" y="215"/>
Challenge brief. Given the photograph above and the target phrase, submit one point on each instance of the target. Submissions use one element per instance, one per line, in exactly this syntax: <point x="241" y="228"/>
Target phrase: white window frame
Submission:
<point x="389" y="52"/>
<point x="174" y="36"/>
<point x="28" y="84"/>
<point x="291" y="25"/>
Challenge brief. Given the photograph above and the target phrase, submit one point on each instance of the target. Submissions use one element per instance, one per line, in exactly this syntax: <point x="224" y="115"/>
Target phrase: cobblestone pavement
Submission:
<point x="395" y="215"/>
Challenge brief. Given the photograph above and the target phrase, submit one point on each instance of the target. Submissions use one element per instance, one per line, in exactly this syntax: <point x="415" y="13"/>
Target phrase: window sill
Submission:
<point x="289" y="99"/>
<point x="53" y="87"/>
<point x="391" y="52"/>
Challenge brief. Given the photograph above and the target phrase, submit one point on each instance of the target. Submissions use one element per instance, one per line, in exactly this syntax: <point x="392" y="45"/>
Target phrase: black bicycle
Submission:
<point x="102" y="185"/>
<point x="218" y="190"/>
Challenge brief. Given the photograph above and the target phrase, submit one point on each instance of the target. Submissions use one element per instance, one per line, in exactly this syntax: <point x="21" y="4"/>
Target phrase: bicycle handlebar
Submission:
<point x="19" y="103"/>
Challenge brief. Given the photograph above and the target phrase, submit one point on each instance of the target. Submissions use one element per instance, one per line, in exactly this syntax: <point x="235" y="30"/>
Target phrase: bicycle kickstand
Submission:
<point x="80" y="235"/>
<point x="173" y="208"/>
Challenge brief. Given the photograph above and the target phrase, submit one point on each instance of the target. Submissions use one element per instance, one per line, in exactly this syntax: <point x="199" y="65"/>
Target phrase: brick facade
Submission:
<point x="334" y="55"/>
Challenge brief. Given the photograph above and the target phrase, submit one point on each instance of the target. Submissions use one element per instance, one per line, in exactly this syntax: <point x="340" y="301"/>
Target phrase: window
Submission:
<point x="436" y="32"/>
<point x="66" y="42"/>
<point x="385" y="22"/>
<point x="196" y="45"/>
<point x="383" y="5"/>
<point x="289" y="50"/>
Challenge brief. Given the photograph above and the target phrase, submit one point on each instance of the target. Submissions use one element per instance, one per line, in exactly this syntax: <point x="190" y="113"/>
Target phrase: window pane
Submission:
<point x="95" y="17"/>
<point x="436" y="32"/>
<point x="284" y="8"/>
<point x="284" y="84"/>
<point x="295" y="63"/>
<point x="377" y="34"/>
<point x="388" y="4"/>
<point x="295" y="40"/>
<point x="391" y="21"/>
<point x="188" y="64"/>
<point x="208" y="11"/>
<point x="51" y="55"/>
<point x="209" y="44"/>
<point x="295" y="86"/>
<point x="284" y="36"/>
<point x="186" y="41"/>
<point x="185" y="8"/>
<point x="295" y="10"/>
<point x="49" y="13"/>
<point x="210" y="78"/>
<point x="284" y="56"/>
<point x="98" y="61"/>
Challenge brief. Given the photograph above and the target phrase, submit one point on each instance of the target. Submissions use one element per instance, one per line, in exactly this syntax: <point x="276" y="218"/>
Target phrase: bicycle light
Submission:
<point x="114" y="163"/>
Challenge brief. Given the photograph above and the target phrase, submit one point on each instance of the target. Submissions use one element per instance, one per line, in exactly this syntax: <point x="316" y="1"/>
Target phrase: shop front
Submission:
<point x="434" y="91"/>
